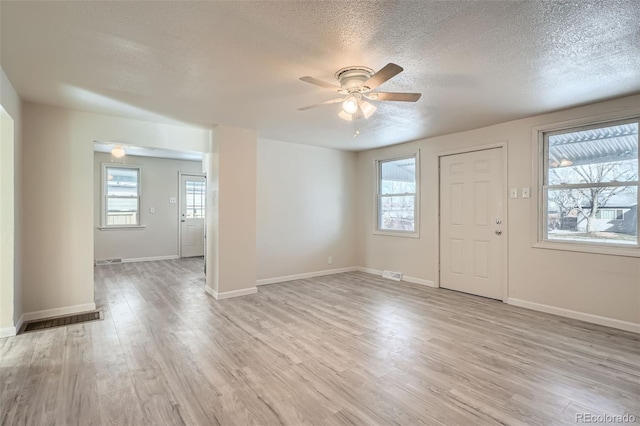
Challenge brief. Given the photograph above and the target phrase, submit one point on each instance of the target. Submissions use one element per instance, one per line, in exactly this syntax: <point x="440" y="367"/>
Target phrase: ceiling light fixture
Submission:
<point x="118" y="152"/>
<point x="565" y="162"/>
<point x="350" y="105"/>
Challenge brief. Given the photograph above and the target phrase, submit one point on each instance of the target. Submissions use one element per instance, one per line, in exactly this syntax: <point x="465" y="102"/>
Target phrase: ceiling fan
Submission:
<point x="356" y="87"/>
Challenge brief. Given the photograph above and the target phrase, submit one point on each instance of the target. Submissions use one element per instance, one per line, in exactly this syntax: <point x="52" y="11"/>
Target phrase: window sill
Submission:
<point x="631" y="251"/>
<point x="397" y="234"/>
<point x="120" y="228"/>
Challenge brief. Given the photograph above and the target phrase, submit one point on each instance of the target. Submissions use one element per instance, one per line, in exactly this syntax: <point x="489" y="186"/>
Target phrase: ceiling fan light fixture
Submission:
<point x="367" y="109"/>
<point x="350" y="105"/>
<point x="345" y="116"/>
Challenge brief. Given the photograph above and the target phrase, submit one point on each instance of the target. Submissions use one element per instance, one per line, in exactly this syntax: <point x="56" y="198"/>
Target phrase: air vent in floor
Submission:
<point x="61" y="321"/>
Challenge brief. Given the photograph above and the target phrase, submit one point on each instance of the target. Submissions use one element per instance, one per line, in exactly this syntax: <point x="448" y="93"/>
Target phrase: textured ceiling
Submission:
<point x="238" y="63"/>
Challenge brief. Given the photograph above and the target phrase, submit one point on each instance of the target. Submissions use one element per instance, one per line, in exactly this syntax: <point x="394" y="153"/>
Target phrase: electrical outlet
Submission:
<point x="526" y="192"/>
<point x="152" y="210"/>
<point x="329" y="260"/>
<point x="513" y="193"/>
<point x="172" y="200"/>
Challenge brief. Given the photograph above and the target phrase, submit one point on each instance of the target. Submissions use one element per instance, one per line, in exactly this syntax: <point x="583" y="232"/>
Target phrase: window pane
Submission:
<point x="122" y="211"/>
<point x="397" y="213"/>
<point x="603" y="215"/>
<point x="195" y="199"/>
<point x="398" y="176"/>
<point x="122" y="181"/>
<point x="607" y="154"/>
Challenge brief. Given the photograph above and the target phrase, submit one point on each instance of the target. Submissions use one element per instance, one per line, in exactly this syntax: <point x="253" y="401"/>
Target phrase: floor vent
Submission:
<point x="396" y="276"/>
<point x="107" y="261"/>
<point x="62" y="321"/>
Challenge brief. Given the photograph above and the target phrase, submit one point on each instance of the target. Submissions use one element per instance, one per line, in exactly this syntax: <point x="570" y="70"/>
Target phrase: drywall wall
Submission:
<point x="58" y="184"/>
<point x="159" y="237"/>
<point x="231" y="218"/>
<point x="305" y="209"/>
<point x="10" y="209"/>
<point x="594" y="284"/>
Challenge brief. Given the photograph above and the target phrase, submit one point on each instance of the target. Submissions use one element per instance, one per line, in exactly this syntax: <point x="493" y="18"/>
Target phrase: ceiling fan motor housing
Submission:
<point x="351" y="78"/>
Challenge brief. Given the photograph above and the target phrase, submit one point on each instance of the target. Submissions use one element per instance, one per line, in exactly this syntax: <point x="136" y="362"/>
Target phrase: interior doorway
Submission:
<point x="193" y="193"/>
<point x="473" y="223"/>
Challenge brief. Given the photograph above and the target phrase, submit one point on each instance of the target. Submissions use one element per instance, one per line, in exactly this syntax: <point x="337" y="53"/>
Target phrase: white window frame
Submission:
<point x="103" y="199"/>
<point x="539" y="163"/>
<point x="416" y="204"/>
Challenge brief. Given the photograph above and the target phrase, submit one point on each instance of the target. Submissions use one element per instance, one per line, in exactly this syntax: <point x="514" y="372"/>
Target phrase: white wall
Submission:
<point x="159" y="237"/>
<point x="58" y="183"/>
<point x="305" y="209"/>
<point x="10" y="210"/>
<point x="231" y="213"/>
<point x="594" y="284"/>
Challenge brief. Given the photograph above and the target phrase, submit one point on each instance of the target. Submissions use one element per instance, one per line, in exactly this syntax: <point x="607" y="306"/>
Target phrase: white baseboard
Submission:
<point x="368" y="270"/>
<point x="149" y="259"/>
<point x="67" y="310"/>
<point x="7" y="332"/>
<point x="406" y="278"/>
<point x="567" y="313"/>
<point x="19" y="324"/>
<point x="230" y="294"/>
<point x="285" y="278"/>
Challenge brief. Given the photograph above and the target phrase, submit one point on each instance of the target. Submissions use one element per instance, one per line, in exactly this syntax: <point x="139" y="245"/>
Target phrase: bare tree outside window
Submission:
<point x="590" y="170"/>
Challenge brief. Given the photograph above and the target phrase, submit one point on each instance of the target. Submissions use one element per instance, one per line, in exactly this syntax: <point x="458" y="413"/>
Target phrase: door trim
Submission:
<point x="180" y="174"/>
<point x="505" y="241"/>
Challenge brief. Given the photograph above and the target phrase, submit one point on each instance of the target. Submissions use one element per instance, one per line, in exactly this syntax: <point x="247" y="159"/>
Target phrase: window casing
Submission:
<point x="397" y="195"/>
<point x="121" y="191"/>
<point x="589" y="189"/>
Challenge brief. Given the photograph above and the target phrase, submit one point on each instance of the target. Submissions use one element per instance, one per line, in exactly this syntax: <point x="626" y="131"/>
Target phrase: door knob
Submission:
<point x="498" y="232"/>
<point x="498" y="221"/>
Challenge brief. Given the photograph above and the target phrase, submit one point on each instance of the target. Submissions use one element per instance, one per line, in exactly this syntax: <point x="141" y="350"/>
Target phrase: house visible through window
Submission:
<point x="121" y="201"/>
<point x="397" y="189"/>
<point x="590" y="188"/>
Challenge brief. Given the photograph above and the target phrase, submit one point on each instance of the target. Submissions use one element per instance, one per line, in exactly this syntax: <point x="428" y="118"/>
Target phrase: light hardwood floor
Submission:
<point x="343" y="349"/>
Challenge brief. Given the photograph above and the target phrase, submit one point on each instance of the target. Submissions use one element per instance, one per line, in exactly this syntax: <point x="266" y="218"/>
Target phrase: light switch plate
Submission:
<point x="152" y="210"/>
<point x="172" y="200"/>
<point x="526" y="192"/>
<point x="513" y="193"/>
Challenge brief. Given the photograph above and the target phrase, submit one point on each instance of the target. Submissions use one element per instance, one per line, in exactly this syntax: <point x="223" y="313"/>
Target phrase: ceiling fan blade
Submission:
<point x="317" y="82"/>
<point x="388" y="71"/>
<point x="329" y="102"/>
<point x="394" y="96"/>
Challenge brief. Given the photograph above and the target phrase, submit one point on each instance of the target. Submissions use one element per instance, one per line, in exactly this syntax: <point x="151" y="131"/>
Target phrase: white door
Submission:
<point x="192" y="215"/>
<point x="472" y="223"/>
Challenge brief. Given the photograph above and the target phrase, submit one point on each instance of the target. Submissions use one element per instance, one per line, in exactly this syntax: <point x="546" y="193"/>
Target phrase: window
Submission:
<point x="397" y="203"/>
<point x="590" y="187"/>
<point x="121" y="196"/>
<point x="195" y="196"/>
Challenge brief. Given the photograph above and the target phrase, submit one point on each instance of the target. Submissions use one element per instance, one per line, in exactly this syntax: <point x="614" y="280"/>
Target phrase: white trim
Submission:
<point x="230" y="294"/>
<point x="369" y="270"/>
<point x="19" y="324"/>
<point x="149" y="259"/>
<point x="416" y="204"/>
<point x="420" y="281"/>
<point x="567" y="313"/>
<point x="7" y="332"/>
<point x="302" y="276"/>
<point x="406" y="278"/>
<point x="180" y="174"/>
<point x="67" y="310"/>
<point x="504" y="146"/>
<point x="103" y="196"/>
<point x="538" y="170"/>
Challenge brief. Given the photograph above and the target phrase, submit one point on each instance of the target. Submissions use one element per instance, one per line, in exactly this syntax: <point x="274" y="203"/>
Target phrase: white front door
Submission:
<point x="192" y="215"/>
<point x="472" y="223"/>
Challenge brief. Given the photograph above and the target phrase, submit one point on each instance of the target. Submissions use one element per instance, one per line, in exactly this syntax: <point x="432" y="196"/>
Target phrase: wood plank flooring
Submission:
<point x="336" y="350"/>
